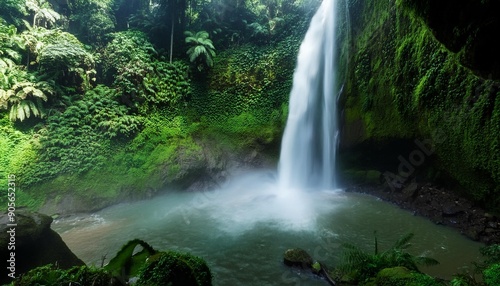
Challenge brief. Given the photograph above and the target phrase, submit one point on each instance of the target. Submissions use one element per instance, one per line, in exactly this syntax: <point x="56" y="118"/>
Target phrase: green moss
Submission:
<point x="405" y="84"/>
<point x="51" y="276"/>
<point x="401" y="276"/>
<point x="176" y="269"/>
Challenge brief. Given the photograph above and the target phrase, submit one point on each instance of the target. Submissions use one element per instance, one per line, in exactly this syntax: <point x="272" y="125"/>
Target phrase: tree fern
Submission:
<point x="202" y="49"/>
<point x="42" y="12"/>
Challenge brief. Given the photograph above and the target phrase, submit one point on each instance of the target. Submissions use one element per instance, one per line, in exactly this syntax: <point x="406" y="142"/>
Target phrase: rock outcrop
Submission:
<point x="29" y="242"/>
<point x="442" y="207"/>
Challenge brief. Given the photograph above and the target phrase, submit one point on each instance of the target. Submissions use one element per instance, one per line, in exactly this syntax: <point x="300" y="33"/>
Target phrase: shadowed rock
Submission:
<point x="34" y="244"/>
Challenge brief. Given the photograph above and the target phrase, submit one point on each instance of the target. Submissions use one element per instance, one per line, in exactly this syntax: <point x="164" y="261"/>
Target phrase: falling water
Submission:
<point x="309" y="143"/>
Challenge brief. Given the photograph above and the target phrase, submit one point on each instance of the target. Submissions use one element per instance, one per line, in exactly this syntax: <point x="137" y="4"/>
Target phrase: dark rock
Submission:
<point x="451" y="208"/>
<point x="297" y="257"/>
<point x="410" y="192"/>
<point x="35" y="244"/>
<point x="492" y="224"/>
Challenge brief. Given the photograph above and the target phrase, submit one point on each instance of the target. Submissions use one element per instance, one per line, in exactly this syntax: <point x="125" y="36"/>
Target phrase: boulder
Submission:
<point x="29" y="242"/>
<point x="298" y="258"/>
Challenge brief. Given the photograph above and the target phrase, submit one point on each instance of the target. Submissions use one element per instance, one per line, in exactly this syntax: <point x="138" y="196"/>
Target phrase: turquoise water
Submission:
<point x="243" y="229"/>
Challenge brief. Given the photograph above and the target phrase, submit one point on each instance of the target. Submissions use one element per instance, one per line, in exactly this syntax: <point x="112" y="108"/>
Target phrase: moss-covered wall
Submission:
<point x="404" y="85"/>
<point x="244" y="97"/>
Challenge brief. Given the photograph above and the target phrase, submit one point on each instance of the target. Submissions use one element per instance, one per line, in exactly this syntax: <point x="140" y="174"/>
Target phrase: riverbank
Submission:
<point x="440" y="206"/>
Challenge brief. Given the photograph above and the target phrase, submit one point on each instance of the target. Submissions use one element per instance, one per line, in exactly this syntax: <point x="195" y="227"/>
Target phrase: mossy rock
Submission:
<point x="175" y="269"/>
<point x="316" y="268"/>
<point x="297" y="257"/>
<point x="399" y="272"/>
<point x="402" y="276"/>
<point x="77" y="275"/>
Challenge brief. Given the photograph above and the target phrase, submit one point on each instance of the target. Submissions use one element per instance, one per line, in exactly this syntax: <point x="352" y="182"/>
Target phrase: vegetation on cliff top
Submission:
<point x="95" y="105"/>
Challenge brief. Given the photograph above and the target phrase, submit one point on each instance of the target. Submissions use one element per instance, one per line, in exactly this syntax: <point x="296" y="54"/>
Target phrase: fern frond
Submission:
<point x="403" y="242"/>
<point x="426" y="261"/>
<point x="33" y="108"/>
<point x="210" y="61"/>
<point x="191" y="40"/>
<point x="202" y="35"/>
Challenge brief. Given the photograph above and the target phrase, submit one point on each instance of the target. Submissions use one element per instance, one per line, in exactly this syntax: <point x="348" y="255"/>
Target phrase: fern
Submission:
<point x="362" y="265"/>
<point x="202" y="49"/>
<point x="25" y="99"/>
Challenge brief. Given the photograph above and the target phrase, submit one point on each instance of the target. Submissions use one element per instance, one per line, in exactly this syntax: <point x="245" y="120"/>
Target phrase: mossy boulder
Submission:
<point x="77" y="275"/>
<point x="297" y="257"/>
<point x="175" y="269"/>
<point x="402" y="276"/>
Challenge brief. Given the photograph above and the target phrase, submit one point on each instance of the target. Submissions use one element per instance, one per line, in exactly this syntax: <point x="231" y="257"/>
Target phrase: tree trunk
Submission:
<point x="171" y="40"/>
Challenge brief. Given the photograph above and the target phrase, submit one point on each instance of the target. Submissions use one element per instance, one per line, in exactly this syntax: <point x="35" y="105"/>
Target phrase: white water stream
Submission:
<point x="307" y="159"/>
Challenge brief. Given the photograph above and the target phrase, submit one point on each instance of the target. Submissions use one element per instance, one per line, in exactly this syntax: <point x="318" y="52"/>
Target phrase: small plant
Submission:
<point x="491" y="275"/>
<point x="361" y="266"/>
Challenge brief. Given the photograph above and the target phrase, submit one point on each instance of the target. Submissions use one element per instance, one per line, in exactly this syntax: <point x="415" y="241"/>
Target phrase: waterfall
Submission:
<point x="308" y="149"/>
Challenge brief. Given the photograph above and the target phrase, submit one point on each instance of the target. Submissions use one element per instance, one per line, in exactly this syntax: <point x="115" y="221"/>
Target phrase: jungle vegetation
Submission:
<point x="98" y="96"/>
<point x="105" y="99"/>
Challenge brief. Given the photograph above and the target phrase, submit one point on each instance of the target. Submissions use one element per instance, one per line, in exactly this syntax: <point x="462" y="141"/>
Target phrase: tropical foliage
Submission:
<point x="89" y="81"/>
<point x="92" y="20"/>
<point x="77" y="139"/>
<point x="42" y="12"/>
<point x="361" y="265"/>
<point x="52" y="275"/>
<point x="153" y="268"/>
<point x="201" y="51"/>
<point x="489" y="268"/>
<point x="25" y="99"/>
<point x="60" y="56"/>
<point x="143" y="80"/>
<point x="23" y="94"/>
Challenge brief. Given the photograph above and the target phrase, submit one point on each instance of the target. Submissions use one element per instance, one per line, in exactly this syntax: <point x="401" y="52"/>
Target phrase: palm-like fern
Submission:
<point x="202" y="49"/>
<point x="10" y="44"/>
<point x="42" y="12"/>
<point x="25" y="99"/>
<point x="362" y="265"/>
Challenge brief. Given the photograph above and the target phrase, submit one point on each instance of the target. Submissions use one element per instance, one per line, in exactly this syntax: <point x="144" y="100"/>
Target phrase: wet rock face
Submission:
<point x="467" y="28"/>
<point x="442" y="207"/>
<point x="29" y="242"/>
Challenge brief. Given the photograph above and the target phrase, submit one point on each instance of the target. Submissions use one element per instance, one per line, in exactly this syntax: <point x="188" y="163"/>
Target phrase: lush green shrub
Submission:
<point x="176" y="269"/>
<point x="124" y="48"/>
<point x="491" y="275"/>
<point x="60" y="56"/>
<point x="18" y="153"/>
<point x="401" y="276"/>
<point x="78" y="139"/>
<point x="361" y="266"/>
<point x="201" y="51"/>
<point x="50" y="275"/>
<point x="143" y="81"/>
<point x="91" y="20"/>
